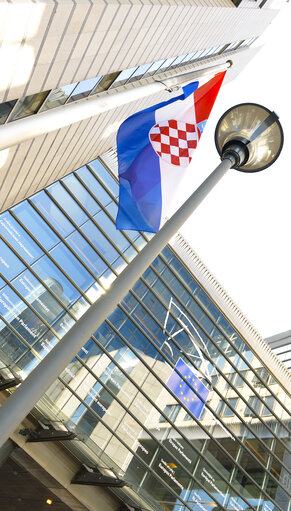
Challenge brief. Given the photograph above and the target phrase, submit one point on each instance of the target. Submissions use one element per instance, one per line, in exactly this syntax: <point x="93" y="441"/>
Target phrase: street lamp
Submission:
<point x="252" y="132"/>
<point x="249" y="138"/>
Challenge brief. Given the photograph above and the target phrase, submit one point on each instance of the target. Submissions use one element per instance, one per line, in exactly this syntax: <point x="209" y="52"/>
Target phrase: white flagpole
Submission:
<point x="30" y="127"/>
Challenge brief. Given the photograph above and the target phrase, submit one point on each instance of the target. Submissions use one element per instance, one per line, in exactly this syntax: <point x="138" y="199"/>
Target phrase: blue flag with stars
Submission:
<point x="193" y="394"/>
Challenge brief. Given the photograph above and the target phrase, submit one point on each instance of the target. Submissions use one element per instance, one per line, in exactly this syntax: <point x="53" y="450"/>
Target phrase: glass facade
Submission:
<point x="166" y="391"/>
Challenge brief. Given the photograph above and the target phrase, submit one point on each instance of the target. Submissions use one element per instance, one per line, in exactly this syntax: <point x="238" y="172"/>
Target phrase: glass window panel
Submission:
<point x="204" y="52"/>
<point x="104" y="175"/>
<point x="18" y="238"/>
<point x="140" y="71"/>
<point x="54" y="278"/>
<point x="10" y="265"/>
<point x="28" y="105"/>
<point x="37" y="226"/>
<point x="130" y="253"/>
<point x="72" y="267"/>
<point x="52" y="213"/>
<point x="154" y="67"/>
<point x="167" y="63"/>
<point x="63" y="198"/>
<point x="58" y="96"/>
<point x="171" y="411"/>
<point x="256" y="404"/>
<point x="5" y="109"/>
<point x="87" y="253"/>
<point x="123" y="77"/>
<point x="178" y="60"/>
<point x="197" y="54"/>
<point x="2" y="283"/>
<point x="11" y="347"/>
<point x="270" y="401"/>
<point x="188" y="57"/>
<point x="109" y="227"/>
<point x="16" y="312"/>
<point x="81" y="194"/>
<point x="95" y="187"/>
<point x="84" y="88"/>
<point x="228" y="411"/>
<point x="38" y="296"/>
<point x="232" y="46"/>
<point x="100" y="242"/>
<point x="105" y="82"/>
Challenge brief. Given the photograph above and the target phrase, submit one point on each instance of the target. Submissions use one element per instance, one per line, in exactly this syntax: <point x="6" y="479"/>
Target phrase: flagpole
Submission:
<point x="24" y="398"/>
<point x="33" y="126"/>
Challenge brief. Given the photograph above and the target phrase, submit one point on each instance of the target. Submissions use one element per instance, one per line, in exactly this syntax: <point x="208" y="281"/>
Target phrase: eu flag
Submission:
<point x="193" y="394"/>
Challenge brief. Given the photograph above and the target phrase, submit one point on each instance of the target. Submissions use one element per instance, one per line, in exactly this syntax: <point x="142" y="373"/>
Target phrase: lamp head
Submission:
<point x="254" y="131"/>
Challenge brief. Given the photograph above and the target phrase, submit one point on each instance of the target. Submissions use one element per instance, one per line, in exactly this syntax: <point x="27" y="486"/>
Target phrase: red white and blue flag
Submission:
<point x="155" y="147"/>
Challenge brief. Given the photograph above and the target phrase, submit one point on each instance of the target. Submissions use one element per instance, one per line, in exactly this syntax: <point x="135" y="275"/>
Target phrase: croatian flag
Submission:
<point x="155" y="147"/>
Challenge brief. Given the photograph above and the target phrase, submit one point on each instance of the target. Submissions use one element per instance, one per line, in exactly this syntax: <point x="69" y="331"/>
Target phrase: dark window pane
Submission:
<point x="29" y="105"/>
<point x="105" y="82"/>
<point x="5" y="109"/>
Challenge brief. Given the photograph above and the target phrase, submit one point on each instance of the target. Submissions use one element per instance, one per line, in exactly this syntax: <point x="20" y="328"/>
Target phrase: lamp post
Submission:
<point x="248" y="138"/>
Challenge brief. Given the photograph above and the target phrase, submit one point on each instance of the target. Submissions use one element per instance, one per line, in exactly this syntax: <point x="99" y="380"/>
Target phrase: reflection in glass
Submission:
<point x="123" y="77"/>
<point x="58" y="97"/>
<point x="28" y="105"/>
<point x="10" y="265"/>
<point x="21" y="318"/>
<point x="80" y="192"/>
<point x="52" y="213"/>
<point x="105" y="82"/>
<point x="104" y="176"/>
<point x="94" y="186"/>
<point x="5" y="109"/>
<point x="139" y="73"/>
<point x="72" y="266"/>
<point x="18" y="238"/>
<point x="37" y="226"/>
<point x="72" y="209"/>
<point x="84" y="88"/>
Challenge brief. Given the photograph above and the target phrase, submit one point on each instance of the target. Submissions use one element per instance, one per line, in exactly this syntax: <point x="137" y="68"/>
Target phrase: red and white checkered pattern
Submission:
<point x="175" y="141"/>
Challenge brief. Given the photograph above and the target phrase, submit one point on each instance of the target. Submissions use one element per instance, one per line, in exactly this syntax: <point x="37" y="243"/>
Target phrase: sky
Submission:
<point x="242" y="229"/>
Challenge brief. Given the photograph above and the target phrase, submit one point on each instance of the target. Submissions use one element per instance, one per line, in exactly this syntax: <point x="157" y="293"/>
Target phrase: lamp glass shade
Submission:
<point x="258" y="128"/>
